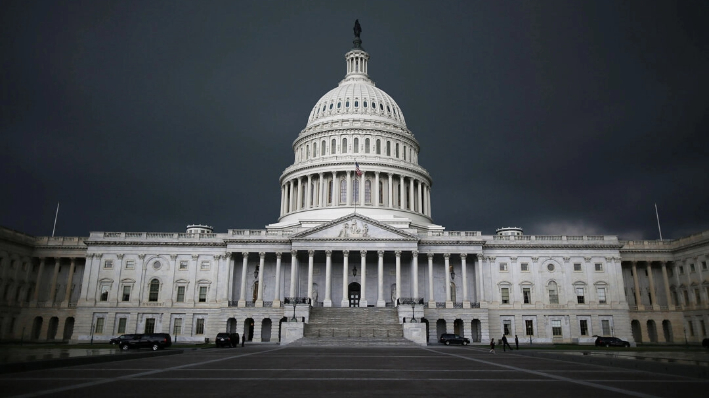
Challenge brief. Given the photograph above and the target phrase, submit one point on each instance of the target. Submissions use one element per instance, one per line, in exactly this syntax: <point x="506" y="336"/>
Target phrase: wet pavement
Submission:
<point x="33" y="353"/>
<point x="697" y="358"/>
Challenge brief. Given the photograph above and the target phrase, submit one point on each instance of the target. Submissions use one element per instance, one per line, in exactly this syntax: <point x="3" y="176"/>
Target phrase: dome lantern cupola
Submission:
<point x="357" y="58"/>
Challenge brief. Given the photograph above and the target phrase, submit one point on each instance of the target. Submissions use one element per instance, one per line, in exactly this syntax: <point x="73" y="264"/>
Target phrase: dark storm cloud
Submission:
<point x="560" y="117"/>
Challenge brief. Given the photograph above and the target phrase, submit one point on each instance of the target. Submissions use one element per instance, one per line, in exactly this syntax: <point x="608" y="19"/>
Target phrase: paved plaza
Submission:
<point x="273" y="371"/>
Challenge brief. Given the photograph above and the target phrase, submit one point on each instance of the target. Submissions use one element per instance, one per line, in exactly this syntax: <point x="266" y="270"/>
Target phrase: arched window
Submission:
<point x="302" y="195"/>
<point x="307" y="152"/>
<point x="330" y="106"/>
<point x="322" y="148"/>
<point x="154" y="290"/>
<point x="381" y="192"/>
<point x="388" y="148"/>
<point x="333" y="146"/>
<point x="329" y="191"/>
<point x="404" y="152"/>
<point x="338" y="105"/>
<point x="347" y="104"/>
<point x="553" y="293"/>
<point x="368" y="192"/>
<point x="344" y="145"/>
<point x="374" y="106"/>
<point x="356" y="145"/>
<point x="397" y="150"/>
<point x="355" y="190"/>
<point x="312" y="193"/>
<point x="381" y="107"/>
<point x="356" y="104"/>
<point x="366" y="145"/>
<point x="379" y="147"/>
<point x="315" y="149"/>
<point x="343" y="191"/>
<point x="365" y="104"/>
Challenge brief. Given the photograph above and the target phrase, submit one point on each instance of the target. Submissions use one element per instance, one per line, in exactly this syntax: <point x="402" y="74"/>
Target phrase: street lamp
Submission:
<point x="295" y="303"/>
<point x="354" y="270"/>
<point x="413" y="312"/>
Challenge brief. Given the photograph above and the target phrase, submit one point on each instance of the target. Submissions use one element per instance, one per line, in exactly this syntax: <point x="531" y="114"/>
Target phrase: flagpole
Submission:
<point x="357" y="180"/>
<point x="658" y="222"/>
<point x="55" y="220"/>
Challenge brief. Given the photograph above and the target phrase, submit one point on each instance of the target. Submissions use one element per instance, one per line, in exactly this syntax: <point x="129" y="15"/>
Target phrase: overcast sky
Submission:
<point x="561" y="117"/>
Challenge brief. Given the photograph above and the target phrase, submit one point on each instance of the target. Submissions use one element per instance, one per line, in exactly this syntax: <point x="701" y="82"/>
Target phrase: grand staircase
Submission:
<point x="353" y="326"/>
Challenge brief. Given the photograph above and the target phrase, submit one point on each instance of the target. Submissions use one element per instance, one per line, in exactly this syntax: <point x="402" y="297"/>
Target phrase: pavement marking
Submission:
<point x="104" y="381"/>
<point x="557" y="377"/>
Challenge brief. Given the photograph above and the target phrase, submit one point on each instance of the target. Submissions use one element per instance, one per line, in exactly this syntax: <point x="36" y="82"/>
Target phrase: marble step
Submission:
<point x="352" y="342"/>
<point x="353" y="331"/>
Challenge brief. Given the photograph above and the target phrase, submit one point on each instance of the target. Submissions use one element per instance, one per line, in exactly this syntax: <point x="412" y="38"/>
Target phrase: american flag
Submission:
<point x="357" y="170"/>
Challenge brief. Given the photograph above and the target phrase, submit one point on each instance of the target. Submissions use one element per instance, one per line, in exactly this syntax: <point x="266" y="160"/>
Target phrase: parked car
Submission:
<point x="223" y="340"/>
<point x="611" y="342"/>
<point x="705" y="343"/>
<point x="448" y="339"/>
<point x="156" y="341"/>
<point x="117" y="340"/>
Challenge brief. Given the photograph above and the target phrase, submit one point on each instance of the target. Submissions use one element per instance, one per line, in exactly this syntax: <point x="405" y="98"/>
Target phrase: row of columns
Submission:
<point x="651" y="280"/>
<point x="53" y="284"/>
<point x="419" y="194"/>
<point x="327" y="301"/>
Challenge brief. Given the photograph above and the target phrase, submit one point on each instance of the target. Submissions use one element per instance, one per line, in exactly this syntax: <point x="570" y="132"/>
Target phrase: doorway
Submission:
<point x="249" y="329"/>
<point x="353" y="292"/>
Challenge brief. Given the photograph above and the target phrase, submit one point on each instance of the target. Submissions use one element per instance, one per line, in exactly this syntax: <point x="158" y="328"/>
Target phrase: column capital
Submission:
<point x="57" y="259"/>
<point x="294" y="253"/>
<point x="377" y="172"/>
<point x="89" y="255"/>
<point x="463" y="255"/>
<point x="279" y="255"/>
<point x="430" y="255"/>
<point x="98" y="255"/>
<point x="363" y="252"/>
<point x="446" y="255"/>
<point x="328" y="253"/>
<point x="228" y="254"/>
<point x="648" y="264"/>
<point x="380" y="253"/>
<point x="262" y="255"/>
<point x="120" y="256"/>
<point x="311" y="253"/>
<point x="216" y="256"/>
<point x="174" y="256"/>
<point x="141" y="256"/>
<point x="346" y="253"/>
<point x="415" y="253"/>
<point x="634" y="263"/>
<point x="398" y="253"/>
<point x="244" y="254"/>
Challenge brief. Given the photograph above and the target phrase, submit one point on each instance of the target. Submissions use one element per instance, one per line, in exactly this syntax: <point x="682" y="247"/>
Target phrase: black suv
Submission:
<point x="224" y="340"/>
<point x="156" y="341"/>
<point x="123" y="337"/>
<point x="611" y="342"/>
<point x="449" y="339"/>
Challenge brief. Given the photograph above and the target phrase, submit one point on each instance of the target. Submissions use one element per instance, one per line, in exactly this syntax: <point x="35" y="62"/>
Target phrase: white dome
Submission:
<point x="356" y="97"/>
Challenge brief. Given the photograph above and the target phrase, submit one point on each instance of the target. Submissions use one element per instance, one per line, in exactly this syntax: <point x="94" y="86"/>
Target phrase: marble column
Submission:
<point x="446" y="271"/>
<point x="293" y="260"/>
<point x="67" y="293"/>
<point x="311" y="254"/>
<point x="261" y="271"/>
<point x="419" y="199"/>
<point x="638" y="299"/>
<point x="53" y="286"/>
<point x="398" y="274"/>
<point x="464" y="270"/>
<point x="321" y="191"/>
<point x="35" y="297"/>
<point x="377" y="194"/>
<point x="361" y="189"/>
<point x="380" y="279"/>
<point x="345" y="302"/>
<point x="348" y="191"/>
<point x="402" y="192"/>
<point x="290" y="197"/>
<point x="391" y="191"/>
<point x="363" y="265"/>
<point x="654" y="303"/>
<point x="411" y="205"/>
<point x="431" y="298"/>
<point x="242" y="293"/>
<point x="328" y="279"/>
<point x="666" y="281"/>
<point x="415" y="271"/>
<point x="277" y="289"/>
<point x="479" y="291"/>
<point x="309" y="193"/>
<point x="335" y="190"/>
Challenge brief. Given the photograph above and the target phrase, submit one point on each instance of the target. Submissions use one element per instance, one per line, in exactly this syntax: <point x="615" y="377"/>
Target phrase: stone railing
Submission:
<point x="296" y="300"/>
<point x="572" y="238"/>
<point x="410" y="300"/>
<point x="150" y="236"/>
<point x="459" y="234"/>
<point x="248" y="233"/>
<point x="59" y="241"/>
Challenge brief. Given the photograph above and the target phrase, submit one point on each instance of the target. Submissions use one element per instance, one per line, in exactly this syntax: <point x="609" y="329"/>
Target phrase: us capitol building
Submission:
<point x="355" y="254"/>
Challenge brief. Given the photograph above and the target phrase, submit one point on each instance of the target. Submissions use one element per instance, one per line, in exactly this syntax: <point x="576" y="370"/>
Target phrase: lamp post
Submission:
<point x="295" y="303"/>
<point x="413" y="311"/>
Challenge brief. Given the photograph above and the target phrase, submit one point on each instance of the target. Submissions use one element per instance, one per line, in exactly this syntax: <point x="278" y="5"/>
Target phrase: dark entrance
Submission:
<point x="249" y="329"/>
<point x="353" y="293"/>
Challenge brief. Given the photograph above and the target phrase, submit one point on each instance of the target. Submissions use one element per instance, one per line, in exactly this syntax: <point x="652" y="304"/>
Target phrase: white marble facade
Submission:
<point x="346" y="238"/>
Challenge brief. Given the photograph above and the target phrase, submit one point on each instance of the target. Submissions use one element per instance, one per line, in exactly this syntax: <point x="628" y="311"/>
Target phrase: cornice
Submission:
<point x="357" y="131"/>
<point x="451" y="242"/>
<point x="279" y="241"/>
<point x="138" y="243"/>
<point x="551" y="246"/>
<point x="293" y="170"/>
<point x="48" y="247"/>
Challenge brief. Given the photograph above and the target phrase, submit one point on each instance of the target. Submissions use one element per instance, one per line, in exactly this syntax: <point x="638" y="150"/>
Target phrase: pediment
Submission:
<point x="354" y="227"/>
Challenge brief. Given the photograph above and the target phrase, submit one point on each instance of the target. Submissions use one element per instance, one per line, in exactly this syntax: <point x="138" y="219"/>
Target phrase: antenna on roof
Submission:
<point x="658" y="222"/>
<point x="55" y="220"/>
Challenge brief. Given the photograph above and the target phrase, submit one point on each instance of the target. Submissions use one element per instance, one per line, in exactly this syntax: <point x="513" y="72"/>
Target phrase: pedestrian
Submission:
<point x="505" y="343"/>
<point x="517" y="342"/>
<point x="236" y="341"/>
<point x="492" y="345"/>
<point x="243" y="339"/>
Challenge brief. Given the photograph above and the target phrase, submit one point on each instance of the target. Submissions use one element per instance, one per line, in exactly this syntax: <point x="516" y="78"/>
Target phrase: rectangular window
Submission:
<point x="507" y="327"/>
<point x="149" y="325"/>
<point x="686" y="297"/>
<point x="556" y="327"/>
<point x="525" y="267"/>
<point x="599" y="267"/>
<point x="505" y="295"/>
<point x="674" y="298"/>
<point x="122" y="325"/>
<point x="130" y="264"/>
<point x="703" y="327"/>
<point x="503" y="266"/>
<point x="177" y="327"/>
<point x="108" y="264"/>
<point x="691" y="268"/>
<point x="98" y="329"/>
<point x="577" y="267"/>
<point x="697" y="296"/>
<point x="104" y="293"/>
<point x="529" y="327"/>
<point x="553" y="297"/>
<point x="691" y="327"/>
<point x="200" y="326"/>
<point x="203" y="294"/>
<point x="606" y="327"/>
<point x="180" y="294"/>
<point x="583" y="324"/>
<point x="704" y="265"/>
<point x="126" y="293"/>
<point x="183" y="265"/>
<point x="579" y="295"/>
<point x="681" y="270"/>
<point x="601" y="295"/>
<point x="527" y="295"/>
<point x="204" y="265"/>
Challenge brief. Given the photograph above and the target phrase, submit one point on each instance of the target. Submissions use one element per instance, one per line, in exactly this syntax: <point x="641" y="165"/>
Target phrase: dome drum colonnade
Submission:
<point x="323" y="176"/>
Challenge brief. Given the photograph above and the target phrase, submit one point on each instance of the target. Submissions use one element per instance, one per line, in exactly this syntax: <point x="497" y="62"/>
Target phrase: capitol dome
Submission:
<point x="355" y="154"/>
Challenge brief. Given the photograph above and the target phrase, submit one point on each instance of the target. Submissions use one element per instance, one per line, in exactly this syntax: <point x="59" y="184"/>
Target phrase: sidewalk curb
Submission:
<point x="65" y="362"/>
